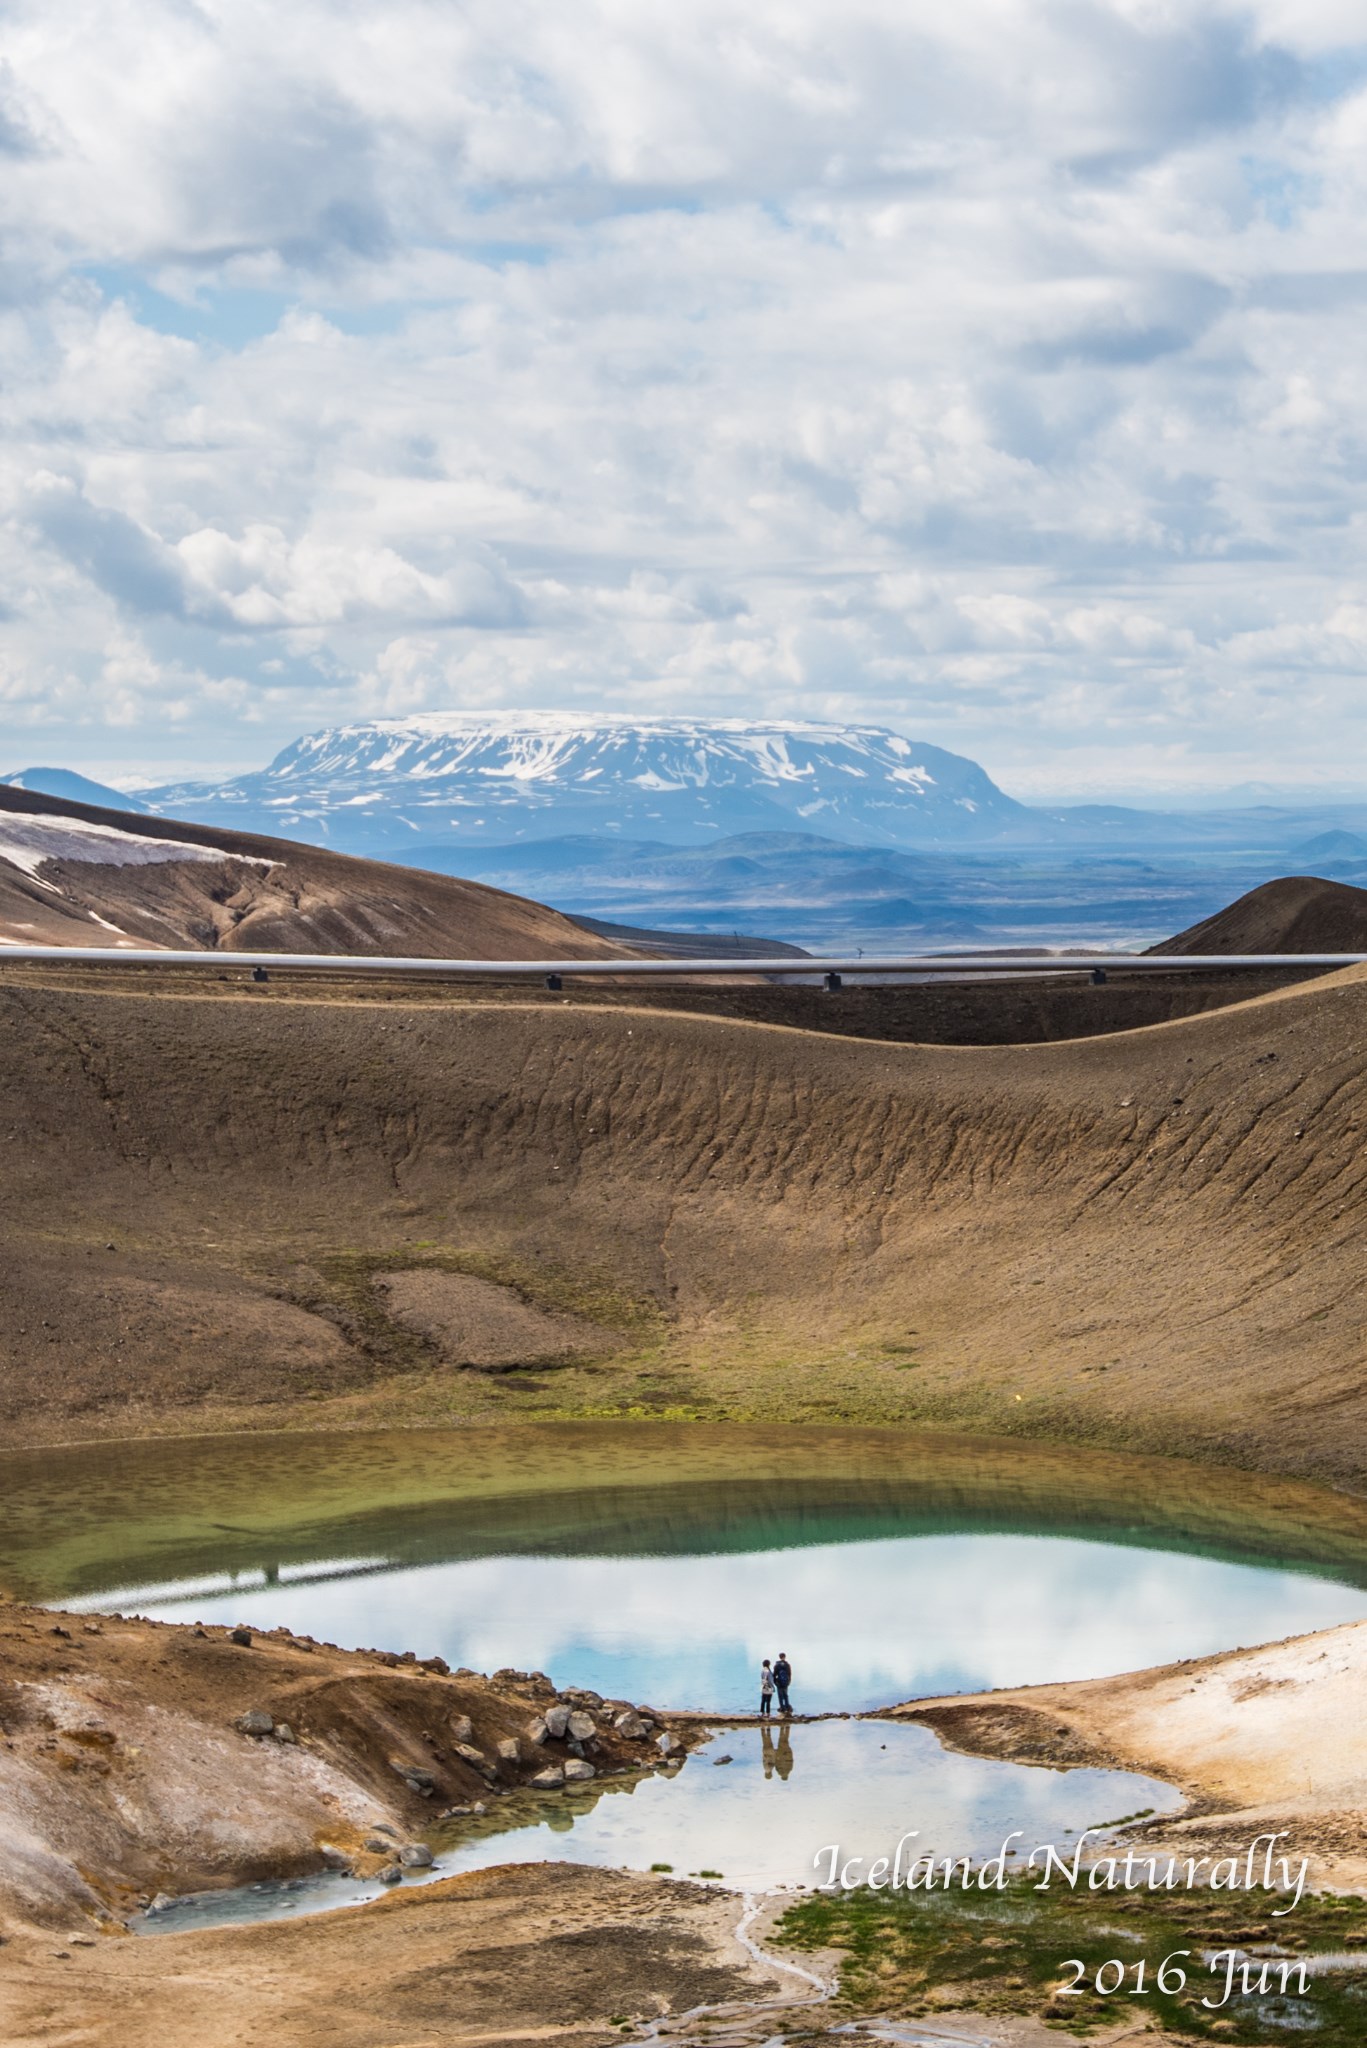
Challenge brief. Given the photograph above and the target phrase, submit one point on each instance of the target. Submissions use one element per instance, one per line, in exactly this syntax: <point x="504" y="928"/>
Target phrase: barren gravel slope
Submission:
<point x="262" y="895"/>
<point x="1152" y="1237"/>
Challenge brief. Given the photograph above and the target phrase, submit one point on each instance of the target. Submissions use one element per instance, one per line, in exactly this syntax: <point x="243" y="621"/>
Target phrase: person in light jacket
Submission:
<point x="766" y="1688"/>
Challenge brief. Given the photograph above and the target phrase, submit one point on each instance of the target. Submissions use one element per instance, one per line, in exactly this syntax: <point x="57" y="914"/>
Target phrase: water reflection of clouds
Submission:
<point x="860" y="1784"/>
<point x="863" y="1622"/>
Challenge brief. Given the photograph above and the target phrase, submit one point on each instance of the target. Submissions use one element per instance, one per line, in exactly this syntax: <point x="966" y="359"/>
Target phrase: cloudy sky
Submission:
<point x="994" y="370"/>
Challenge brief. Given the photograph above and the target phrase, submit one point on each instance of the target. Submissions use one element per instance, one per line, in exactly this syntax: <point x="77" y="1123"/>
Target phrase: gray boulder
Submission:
<point x="631" y="1725"/>
<point x="415" y="1856"/>
<point x="256" y="1721"/>
<point x="509" y="1749"/>
<point x="462" y="1727"/>
<point x="537" y="1731"/>
<point x="549" y="1780"/>
<point x="577" y="1770"/>
<point x="580" y="1726"/>
<point x="557" y="1721"/>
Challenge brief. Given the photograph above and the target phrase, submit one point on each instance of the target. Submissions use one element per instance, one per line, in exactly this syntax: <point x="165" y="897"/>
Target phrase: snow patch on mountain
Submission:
<point x="456" y="776"/>
<point x="27" y="842"/>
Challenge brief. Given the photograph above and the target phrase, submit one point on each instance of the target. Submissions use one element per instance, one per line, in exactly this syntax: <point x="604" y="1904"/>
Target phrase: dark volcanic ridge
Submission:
<point x="1298" y="914"/>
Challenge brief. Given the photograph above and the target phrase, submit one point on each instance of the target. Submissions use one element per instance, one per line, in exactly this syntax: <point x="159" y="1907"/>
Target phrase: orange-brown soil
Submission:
<point x="543" y="1953"/>
<point x="126" y="1770"/>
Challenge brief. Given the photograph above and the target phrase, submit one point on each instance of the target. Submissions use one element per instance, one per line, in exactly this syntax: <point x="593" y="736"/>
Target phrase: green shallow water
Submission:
<point x="662" y="1561"/>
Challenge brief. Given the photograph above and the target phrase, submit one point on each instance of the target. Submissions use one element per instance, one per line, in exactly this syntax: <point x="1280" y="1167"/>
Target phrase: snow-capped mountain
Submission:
<point x="446" y="778"/>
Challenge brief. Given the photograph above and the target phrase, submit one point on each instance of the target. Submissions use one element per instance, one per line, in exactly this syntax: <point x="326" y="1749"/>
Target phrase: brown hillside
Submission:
<point x="116" y="885"/>
<point x="1297" y="914"/>
<point x="1151" y="1238"/>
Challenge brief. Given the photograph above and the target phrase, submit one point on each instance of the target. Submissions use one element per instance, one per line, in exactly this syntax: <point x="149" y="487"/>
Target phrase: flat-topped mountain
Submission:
<point x="79" y="875"/>
<point x="476" y="780"/>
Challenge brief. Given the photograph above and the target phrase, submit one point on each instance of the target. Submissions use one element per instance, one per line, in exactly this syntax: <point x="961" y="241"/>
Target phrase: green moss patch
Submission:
<point x="907" y="1954"/>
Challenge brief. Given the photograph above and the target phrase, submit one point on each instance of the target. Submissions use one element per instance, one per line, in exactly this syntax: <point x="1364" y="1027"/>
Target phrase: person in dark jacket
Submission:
<point x="783" y="1678"/>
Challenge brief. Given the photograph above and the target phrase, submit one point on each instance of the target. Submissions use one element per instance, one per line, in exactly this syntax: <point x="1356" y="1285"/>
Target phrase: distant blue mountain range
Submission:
<point x="388" y="786"/>
<point x="76" y="789"/>
<point x="819" y="834"/>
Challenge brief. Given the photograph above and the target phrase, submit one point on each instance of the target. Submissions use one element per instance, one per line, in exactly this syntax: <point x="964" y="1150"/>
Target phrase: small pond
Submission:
<point x="660" y="1562"/>
<point x="753" y="1806"/>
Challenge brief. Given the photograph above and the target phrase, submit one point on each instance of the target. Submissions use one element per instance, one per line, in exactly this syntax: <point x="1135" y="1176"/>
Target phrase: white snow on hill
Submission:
<point x="447" y="776"/>
<point x="26" y="842"/>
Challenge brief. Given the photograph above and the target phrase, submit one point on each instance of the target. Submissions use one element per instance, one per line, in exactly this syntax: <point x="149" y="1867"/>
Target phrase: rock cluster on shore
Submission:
<point x="143" y="1760"/>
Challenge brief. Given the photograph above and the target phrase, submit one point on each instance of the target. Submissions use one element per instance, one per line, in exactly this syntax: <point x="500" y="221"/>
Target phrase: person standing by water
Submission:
<point x="783" y="1678"/>
<point x="766" y="1688"/>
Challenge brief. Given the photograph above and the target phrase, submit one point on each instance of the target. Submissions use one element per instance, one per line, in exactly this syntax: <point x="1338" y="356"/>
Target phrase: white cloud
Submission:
<point x="994" y="372"/>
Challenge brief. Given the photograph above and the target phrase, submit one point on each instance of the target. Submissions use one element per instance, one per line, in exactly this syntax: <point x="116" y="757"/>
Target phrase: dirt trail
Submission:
<point x="540" y="1953"/>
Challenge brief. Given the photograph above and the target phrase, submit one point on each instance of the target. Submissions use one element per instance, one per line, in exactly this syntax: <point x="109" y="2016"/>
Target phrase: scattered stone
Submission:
<point x="581" y="1726"/>
<point x="335" y="1859"/>
<point x="284" y="1732"/>
<point x="161" y="1902"/>
<point x="509" y="1749"/>
<point x="437" y="1664"/>
<point x="631" y="1725"/>
<point x="256" y="1721"/>
<point x="414" y="1776"/>
<point x="557" y="1721"/>
<point x="471" y="1754"/>
<point x="58" y="1630"/>
<point x="667" y="1744"/>
<point x="415" y="1856"/>
<point x="80" y="1941"/>
<point x="549" y="1780"/>
<point x="537" y="1731"/>
<point x="375" y="1847"/>
<point x="92" y="1628"/>
<point x="61" y="1955"/>
<point x="717" y="1761"/>
<point x="578" y="1770"/>
<point x="242" y="1637"/>
<point x="462" y="1727"/>
<point x="391" y="1874"/>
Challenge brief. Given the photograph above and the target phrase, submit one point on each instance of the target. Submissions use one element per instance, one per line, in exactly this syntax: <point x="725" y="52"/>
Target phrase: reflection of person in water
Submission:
<point x="776" y="1756"/>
